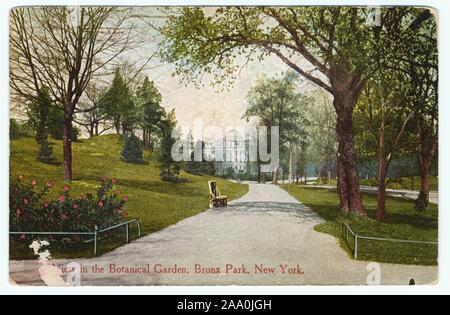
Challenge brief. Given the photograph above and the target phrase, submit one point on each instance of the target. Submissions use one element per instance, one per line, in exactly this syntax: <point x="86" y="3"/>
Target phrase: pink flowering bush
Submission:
<point x="30" y="211"/>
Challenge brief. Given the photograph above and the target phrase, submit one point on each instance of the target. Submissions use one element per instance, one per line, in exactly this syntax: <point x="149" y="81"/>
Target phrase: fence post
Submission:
<point x="127" y="237"/>
<point x="139" y="228"/>
<point x="356" y="246"/>
<point x="95" y="240"/>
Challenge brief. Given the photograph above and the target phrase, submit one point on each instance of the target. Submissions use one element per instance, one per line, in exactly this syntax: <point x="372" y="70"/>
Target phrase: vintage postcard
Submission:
<point x="271" y="145"/>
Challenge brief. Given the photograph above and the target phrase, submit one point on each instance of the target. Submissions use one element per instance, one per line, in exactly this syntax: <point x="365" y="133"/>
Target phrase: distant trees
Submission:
<point x="91" y="115"/>
<point x="275" y="102"/>
<point x="302" y="160"/>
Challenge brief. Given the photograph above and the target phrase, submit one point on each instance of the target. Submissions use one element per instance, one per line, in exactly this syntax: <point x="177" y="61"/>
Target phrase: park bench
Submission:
<point x="216" y="199"/>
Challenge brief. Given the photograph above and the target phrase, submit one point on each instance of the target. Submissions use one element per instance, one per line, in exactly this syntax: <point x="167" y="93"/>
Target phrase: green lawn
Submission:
<point x="155" y="203"/>
<point x="403" y="222"/>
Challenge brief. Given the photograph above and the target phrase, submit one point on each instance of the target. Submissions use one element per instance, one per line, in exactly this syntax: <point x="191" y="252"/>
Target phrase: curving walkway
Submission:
<point x="261" y="231"/>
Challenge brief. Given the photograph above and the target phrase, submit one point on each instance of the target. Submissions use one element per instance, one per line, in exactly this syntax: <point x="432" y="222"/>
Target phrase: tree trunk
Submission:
<point x="67" y="147"/>
<point x="291" y="161"/>
<point x="348" y="178"/>
<point x="342" y="187"/>
<point x="425" y="154"/>
<point x="381" y="211"/>
<point x="96" y="128"/>
<point x="319" y="175"/>
<point x="275" y="177"/>
<point x="346" y="88"/>
<point x="259" y="173"/>
<point x="125" y="128"/>
<point x="330" y="169"/>
<point x="117" y="125"/>
<point x="348" y="169"/>
<point x="424" y="194"/>
<point x="149" y="140"/>
<point x="144" y="139"/>
<point x="382" y="169"/>
<point x="91" y="130"/>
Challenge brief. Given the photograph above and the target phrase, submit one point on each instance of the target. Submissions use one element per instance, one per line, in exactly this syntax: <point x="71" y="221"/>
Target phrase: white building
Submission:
<point x="231" y="152"/>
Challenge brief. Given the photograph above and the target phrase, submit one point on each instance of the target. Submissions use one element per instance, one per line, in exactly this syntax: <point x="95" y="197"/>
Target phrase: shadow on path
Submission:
<point x="271" y="208"/>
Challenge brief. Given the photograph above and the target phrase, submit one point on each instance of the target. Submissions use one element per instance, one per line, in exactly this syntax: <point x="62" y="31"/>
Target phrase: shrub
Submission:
<point x="230" y="173"/>
<point x="200" y="168"/>
<point x="30" y="211"/>
<point x="247" y="176"/>
<point x="132" y="150"/>
<point x="172" y="178"/>
<point x="45" y="153"/>
<point x="76" y="133"/>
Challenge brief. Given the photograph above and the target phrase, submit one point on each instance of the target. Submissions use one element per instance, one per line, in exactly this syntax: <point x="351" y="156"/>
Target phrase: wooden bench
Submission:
<point x="216" y="199"/>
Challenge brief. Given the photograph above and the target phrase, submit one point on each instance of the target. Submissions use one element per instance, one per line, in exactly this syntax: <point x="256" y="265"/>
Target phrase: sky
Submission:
<point x="221" y="108"/>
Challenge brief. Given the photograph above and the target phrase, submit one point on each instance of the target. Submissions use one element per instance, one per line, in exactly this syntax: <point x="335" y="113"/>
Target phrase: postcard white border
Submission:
<point x="443" y="6"/>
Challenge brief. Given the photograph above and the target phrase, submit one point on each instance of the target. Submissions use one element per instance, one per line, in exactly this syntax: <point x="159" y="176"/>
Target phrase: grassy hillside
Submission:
<point x="403" y="222"/>
<point x="155" y="203"/>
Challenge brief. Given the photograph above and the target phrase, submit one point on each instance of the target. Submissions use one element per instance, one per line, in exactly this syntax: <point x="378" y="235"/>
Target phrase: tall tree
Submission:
<point x="399" y="91"/>
<point x="384" y="124"/>
<point x="64" y="48"/>
<point x="39" y="113"/>
<point x="151" y="112"/>
<point x="303" y="158"/>
<point x="170" y="169"/>
<point x="322" y="134"/>
<point x="421" y="67"/>
<point x="333" y="42"/>
<point x="426" y="129"/>
<point x="275" y="102"/>
<point x="118" y="105"/>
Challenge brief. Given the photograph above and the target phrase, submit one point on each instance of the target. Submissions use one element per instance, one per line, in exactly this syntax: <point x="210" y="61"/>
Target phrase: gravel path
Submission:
<point x="265" y="231"/>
